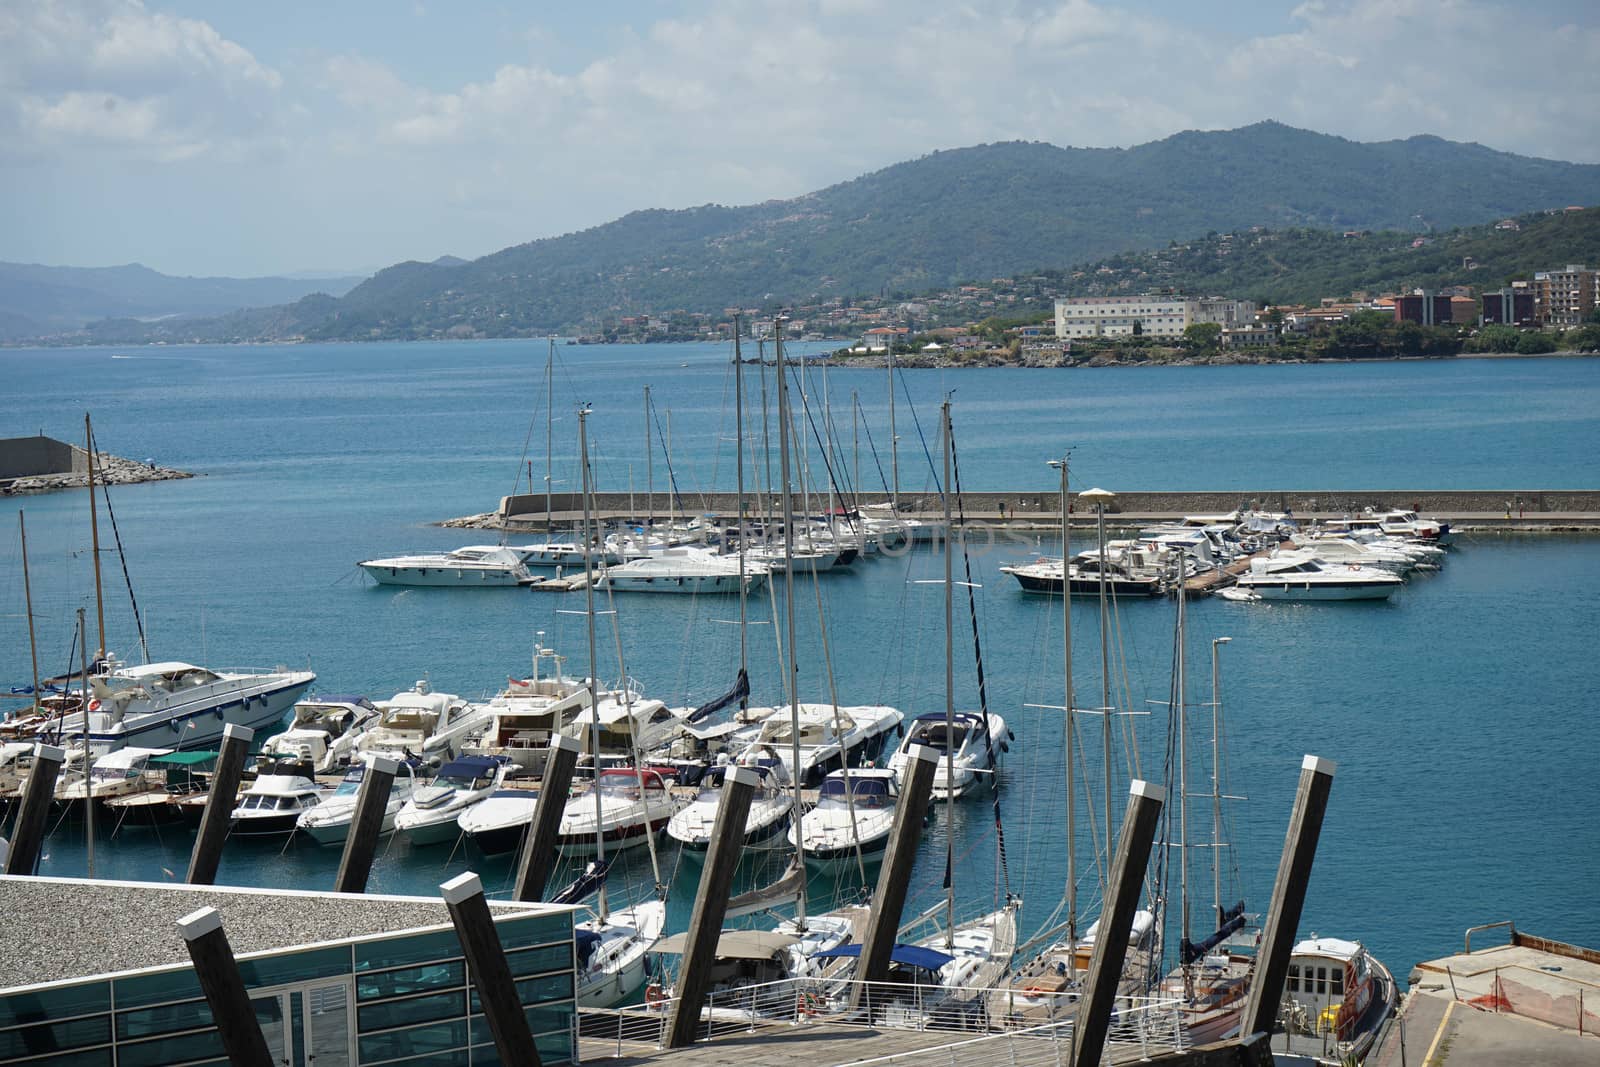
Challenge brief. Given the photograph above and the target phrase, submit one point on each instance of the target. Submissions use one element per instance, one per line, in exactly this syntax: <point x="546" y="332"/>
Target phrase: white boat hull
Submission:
<point x="472" y="577"/>
<point x="1290" y="590"/>
<point x="186" y="727"/>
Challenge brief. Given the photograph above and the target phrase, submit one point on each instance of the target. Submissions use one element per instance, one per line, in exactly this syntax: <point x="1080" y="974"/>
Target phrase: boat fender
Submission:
<point x="654" y="995"/>
<point x="94" y="705"/>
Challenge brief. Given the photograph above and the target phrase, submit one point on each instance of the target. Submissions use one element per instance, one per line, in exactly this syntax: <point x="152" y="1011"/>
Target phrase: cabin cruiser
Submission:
<point x="1337" y="997"/>
<point x="1344" y="550"/>
<point x="829" y="737"/>
<point x="624" y="720"/>
<point x="422" y="724"/>
<point x="116" y="774"/>
<point x="329" y="822"/>
<point x="682" y="570"/>
<point x="632" y="805"/>
<point x="275" y="800"/>
<point x="1402" y="523"/>
<point x="770" y="804"/>
<point x="1127" y="573"/>
<point x="1299" y="576"/>
<point x="429" y="817"/>
<point x="972" y="742"/>
<point x="324" y="732"/>
<point x="179" y="705"/>
<point x="498" y="823"/>
<point x="854" y="813"/>
<point x="524" y="715"/>
<point x="473" y="566"/>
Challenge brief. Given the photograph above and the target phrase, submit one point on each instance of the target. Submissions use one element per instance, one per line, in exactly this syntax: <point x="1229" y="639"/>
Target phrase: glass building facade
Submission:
<point x="403" y="998"/>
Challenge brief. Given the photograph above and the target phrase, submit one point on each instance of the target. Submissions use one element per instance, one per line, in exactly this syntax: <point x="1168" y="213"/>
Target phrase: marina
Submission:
<point x="1289" y="690"/>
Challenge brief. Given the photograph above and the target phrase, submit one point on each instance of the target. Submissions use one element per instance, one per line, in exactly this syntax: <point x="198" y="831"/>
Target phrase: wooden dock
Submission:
<point x="1216" y="580"/>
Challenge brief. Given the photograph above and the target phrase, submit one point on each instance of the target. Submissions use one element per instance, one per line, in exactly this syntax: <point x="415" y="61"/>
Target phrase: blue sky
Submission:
<point x="246" y="138"/>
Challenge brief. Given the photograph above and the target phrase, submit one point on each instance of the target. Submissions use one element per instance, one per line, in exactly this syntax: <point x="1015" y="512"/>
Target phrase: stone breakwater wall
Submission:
<point x="113" y="470"/>
<point x="528" y="511"/>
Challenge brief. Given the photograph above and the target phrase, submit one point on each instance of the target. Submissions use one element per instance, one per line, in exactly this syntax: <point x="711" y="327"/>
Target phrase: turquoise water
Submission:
<point x="1461" y="714"/>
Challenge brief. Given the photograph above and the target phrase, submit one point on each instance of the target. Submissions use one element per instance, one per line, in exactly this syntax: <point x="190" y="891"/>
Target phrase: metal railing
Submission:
<point x="1489" y="926"/>
<point x="1005" y="1022"/>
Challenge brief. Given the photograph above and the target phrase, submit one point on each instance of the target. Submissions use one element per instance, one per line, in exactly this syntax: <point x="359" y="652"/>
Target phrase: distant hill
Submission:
<point x="980" y="212"/>
<point x="37" y="300"/>
<point x="1303" y="265"/>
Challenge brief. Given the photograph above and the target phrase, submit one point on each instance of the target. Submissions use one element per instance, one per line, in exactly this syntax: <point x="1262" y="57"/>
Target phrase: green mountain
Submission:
<point x="978" y="212"/>
<point x="37" y="300"/>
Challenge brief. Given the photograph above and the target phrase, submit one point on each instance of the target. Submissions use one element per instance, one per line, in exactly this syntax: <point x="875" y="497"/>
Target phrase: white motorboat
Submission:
<point x="497" y="823"/>
<point x="627" y="814"/>
<point x="1127" y="573"/>
<point x="829" y="737"/>
<point x="116" y="774"/>
<point x="180" y="706"/>
<point x="1343" y="550"/>
<point x="568" y="554"/>
<point x="324" y="732"/>
<point x="422" y="724"/>
<point x="1299" y="576"/>
<point x="472" y="566"/>
<point x="429" y="817"/>
<point x="1337" y="997"/>
<point x="769" y="809"/>
<point x="969" y="747"/>
<point x="611" y="952"/>
<point x="854" y="814"/>
<point x="621" y="721"/>
<point x="682" y="570"/>
<point x="524" y="715"/>
<point x="275" y="800"/>
<point x="329" y="822"/>
<point x="1401" y="522"/>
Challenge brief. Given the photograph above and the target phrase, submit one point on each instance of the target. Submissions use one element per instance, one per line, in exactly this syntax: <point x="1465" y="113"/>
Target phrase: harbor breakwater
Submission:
<point x="1537" y="509"/>
<point x="41" y="464"/>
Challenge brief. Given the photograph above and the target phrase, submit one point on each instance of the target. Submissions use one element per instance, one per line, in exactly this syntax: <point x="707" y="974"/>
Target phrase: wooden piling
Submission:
<point x="207" y="854"/>
<point x="1288" y="896"/>
<point x="27" y="841"/>
<point x="1116" y="920"/>
<point x="491" y="974"/>
<point x="224" y="988"/>
<point x="710" y="906"/>
<point x="889" y="898"/>
<point x="539" y="847"/>
<point x="361" y="843"/>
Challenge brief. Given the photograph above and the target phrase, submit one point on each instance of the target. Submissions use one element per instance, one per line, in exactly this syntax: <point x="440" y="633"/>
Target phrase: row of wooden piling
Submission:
<point x="469" y="910"/>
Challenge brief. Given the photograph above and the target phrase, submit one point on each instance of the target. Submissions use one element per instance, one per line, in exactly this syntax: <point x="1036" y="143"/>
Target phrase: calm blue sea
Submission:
<point x="1461" y="714"/>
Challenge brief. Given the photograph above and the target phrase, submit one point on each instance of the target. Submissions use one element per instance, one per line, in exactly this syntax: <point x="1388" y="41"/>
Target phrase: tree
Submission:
<point x="1582" y="339"/>
<point x="1202" y="336"/>
<point x="1535" y="342"/>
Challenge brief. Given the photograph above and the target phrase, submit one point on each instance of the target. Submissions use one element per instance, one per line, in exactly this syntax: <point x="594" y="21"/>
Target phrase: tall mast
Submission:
<point x="1179" y="703"/>
<point x="792" y="682"/>
<point x="855" y="458"/>
<point x="94" y="531"/>
<point x="588" y="597"/>
<point x="1071" y="723"/>
<point x="738" y="448"/>
<point x="1216" y="773"/>
<point x="27" y="594"/>
<point x="1105" y="669"/>
<point x="894" y="441"/>
<point x="549" y="432"/>
<point x="88" y="781"/>
<point x="649" y="475"/>
<point x="949" y="690"/>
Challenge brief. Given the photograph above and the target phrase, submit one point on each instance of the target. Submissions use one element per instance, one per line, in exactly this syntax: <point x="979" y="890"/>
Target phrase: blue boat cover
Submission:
<point x="586" y="940"/>
<point x="910" y="955"/>
<point x="469" y="767"/>
<point x="938" y="716"/>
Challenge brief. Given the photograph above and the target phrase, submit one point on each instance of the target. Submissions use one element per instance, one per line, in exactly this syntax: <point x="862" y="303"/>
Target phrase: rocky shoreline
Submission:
<point x="112" y="470"/>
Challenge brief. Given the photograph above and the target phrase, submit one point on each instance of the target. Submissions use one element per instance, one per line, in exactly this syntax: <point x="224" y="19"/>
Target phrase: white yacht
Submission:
<point x="611" y="953"/>
<point x="1298" y="576"/>
<point x="116" y="774"/>
<point x="682" y="570"/>
<point x="179" y="705"/>
<point x="626" y="814"/>
<point x="1127" y="573"/>
<point x="854" y="813"/>
<point x="973" y="743"/>
<point x="829" y="738"/>
<point x="429" y="817"/>
<point x="472" y="566"/>
<point x="329" y="822"/>
<point x="1403" y="523"/>
<point x="624" y="720"/>
<point x="324" y="732"/>
<point x="422" y="724"/>
<point x="497" y="823"/>
<point x="524" y="715"/>
<point x="275" y="800"/>
<point x="1343" y="550"/>
<point x="770" y="804"/>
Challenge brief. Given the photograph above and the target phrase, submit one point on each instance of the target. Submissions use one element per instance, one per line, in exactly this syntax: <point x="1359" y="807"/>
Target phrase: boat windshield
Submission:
<point x="625" y="784"/>
<point x="113" y="774"/>
<point x="864" y="792"/>
<point x="462" y="781"/>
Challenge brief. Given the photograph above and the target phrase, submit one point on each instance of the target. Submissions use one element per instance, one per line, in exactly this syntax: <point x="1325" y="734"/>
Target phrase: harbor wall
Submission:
<point x="26" y="457"/>
<point x="1440" y="503"/>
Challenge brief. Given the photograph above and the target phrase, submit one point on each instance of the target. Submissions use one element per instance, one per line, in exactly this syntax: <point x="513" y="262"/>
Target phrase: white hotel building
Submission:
<point x="1156" y="316"/>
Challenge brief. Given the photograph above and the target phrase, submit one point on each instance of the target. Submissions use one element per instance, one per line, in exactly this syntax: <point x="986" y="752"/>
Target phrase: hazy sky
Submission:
<point x="256" y="137"/>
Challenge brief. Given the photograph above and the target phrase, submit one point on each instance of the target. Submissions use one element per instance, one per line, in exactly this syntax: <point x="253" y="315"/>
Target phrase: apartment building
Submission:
<point x="1564" y="297"/>
<point x="1148" y="315"/>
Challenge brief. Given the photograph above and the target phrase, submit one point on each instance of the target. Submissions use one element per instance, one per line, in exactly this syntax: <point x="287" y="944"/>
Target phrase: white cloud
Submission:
<point x="113" y="75"/>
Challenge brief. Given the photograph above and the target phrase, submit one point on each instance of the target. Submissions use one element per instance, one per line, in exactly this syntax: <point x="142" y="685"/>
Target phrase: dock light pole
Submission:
<point x="1216" y="773"/>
